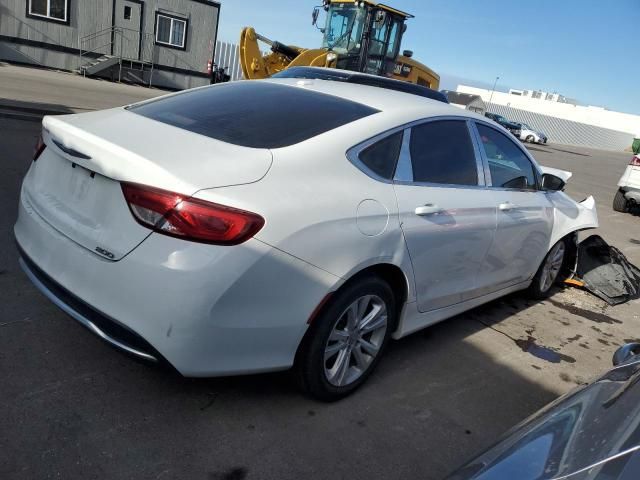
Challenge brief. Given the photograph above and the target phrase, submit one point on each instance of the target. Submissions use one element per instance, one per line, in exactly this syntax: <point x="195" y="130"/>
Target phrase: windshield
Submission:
<point x="343" y="31"/>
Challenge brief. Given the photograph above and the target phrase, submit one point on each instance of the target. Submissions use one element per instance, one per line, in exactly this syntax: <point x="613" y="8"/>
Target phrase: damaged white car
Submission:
<point x="628" y="194"/>
<point x="223" y="238"/>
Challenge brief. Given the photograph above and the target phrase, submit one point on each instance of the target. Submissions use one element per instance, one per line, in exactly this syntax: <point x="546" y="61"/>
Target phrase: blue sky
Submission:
<point x="588" y="50"/>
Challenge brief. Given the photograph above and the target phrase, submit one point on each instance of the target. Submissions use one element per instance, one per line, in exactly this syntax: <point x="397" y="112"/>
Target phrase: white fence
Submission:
<point x="228" y="56"/>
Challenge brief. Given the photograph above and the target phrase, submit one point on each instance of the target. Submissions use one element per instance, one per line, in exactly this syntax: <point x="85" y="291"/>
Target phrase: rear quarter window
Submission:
<point x="254" y="114"/>
<point x="382" y="156"/>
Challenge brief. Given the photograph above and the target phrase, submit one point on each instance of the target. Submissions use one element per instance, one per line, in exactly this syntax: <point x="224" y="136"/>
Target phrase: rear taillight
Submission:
<point x="635" y="161"/>
<point x="39" y="148"/>
<point x="190" y="218"/>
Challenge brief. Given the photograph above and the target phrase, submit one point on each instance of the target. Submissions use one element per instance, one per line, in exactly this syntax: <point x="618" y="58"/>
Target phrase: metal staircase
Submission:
<point x="118" y="46"/>
<point x="99" y="64"/>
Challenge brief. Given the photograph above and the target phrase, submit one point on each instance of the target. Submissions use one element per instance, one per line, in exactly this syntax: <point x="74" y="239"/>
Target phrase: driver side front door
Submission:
<point x="524" y="212"/>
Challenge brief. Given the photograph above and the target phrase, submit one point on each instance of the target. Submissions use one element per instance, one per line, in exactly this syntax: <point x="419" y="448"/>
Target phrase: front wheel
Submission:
<point x="529" y="139"/>
<point x="549" y="271"/>
<point x="346" y="340"/>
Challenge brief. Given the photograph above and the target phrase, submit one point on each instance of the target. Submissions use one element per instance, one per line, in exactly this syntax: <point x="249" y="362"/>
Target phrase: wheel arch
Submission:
<point x="389" y="272"/>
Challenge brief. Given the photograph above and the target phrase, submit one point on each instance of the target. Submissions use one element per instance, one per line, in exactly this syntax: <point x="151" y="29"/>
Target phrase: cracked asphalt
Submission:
<point x="71" y="407"/>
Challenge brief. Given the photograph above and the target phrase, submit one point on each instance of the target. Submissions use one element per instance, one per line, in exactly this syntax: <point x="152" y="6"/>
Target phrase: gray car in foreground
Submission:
<point x="591" y="433"/>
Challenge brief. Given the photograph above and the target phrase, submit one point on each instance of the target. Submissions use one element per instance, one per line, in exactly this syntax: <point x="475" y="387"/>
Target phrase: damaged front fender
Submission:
<point x="571" y="216"/>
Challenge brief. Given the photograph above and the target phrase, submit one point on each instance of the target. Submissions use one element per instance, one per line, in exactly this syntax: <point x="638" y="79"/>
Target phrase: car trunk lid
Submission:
<point x="75" y="185"/>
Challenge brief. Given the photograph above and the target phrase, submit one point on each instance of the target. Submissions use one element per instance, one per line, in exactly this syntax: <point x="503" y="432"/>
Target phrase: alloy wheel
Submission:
<point x="355" y="340"/>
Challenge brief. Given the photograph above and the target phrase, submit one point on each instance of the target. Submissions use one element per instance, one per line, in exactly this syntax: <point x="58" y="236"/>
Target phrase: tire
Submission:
<point x="550" y="271"/>
<point x="328" y="345"/>
<point x="620" y="203"/>
<point x="529" y="139"/>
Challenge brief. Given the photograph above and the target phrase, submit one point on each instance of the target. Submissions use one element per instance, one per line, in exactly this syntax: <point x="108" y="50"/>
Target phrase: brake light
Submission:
<point x="39" y="148"/>
<point x="635" y="161"/>
<point x="189" y="218"/>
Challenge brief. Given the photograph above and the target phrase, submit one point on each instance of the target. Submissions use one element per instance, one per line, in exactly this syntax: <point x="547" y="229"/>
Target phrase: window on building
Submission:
<point x="171" y="31"/>
<point x="442" y="152"/>
<point x="56" y="10"/>
<point x="127" y="12"/>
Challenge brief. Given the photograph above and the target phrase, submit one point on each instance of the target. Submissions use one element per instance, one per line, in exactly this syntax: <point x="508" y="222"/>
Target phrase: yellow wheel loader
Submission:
<point x="359" y="35"/>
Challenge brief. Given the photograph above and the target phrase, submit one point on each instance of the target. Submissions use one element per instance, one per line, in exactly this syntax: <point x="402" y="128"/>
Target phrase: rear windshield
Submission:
<point x="254" y="114"/>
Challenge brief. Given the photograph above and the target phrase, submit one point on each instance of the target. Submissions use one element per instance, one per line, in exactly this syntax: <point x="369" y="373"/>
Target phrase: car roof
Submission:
<point x="322" y="73"/>
<point x="392" y="101"/>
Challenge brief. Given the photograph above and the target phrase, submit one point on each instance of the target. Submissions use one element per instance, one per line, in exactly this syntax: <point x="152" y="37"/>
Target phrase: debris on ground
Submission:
<point x="604" y="271"/>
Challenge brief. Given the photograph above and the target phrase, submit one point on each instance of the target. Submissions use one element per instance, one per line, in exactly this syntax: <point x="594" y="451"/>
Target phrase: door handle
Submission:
<point x="506" y="206"/>
<point x="428" y="209"/>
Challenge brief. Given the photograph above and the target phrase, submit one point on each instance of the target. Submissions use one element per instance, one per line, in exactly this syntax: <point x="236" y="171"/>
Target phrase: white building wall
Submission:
<point x="590" y="115"/>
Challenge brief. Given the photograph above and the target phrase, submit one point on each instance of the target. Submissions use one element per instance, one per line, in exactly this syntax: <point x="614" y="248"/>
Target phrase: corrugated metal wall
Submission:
<point x="567" y="132"/>
<point x="227" y="56"/>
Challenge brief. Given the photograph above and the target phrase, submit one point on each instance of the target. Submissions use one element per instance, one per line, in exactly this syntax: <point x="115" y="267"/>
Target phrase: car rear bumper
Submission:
<point x="110" y="330"/>
<point x="206" y="310"/>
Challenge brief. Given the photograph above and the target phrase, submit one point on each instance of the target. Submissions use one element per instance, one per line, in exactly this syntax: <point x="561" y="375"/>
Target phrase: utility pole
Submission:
<point x="492" y="90"/>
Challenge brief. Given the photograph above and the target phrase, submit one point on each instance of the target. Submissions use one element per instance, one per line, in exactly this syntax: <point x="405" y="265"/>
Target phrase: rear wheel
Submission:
<point x="620" y="203"/>
<point x="346" y="340"/>
<point x="549" y="271"/>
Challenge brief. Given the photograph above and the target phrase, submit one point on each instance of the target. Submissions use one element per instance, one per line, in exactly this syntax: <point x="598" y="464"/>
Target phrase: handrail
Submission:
<point x="145" y="47"/>
<point x="82" y="41"/>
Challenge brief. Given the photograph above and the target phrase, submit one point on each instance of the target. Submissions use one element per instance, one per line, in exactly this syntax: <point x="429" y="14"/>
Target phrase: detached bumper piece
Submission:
<point x="606" y="272"/>
<point x="111" y="331"/>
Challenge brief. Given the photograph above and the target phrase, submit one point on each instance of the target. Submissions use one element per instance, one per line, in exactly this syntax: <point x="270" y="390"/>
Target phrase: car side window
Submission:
<point x="508" y="165"/>
<point x="382" y="156"/>
<point x="442" y="152"/>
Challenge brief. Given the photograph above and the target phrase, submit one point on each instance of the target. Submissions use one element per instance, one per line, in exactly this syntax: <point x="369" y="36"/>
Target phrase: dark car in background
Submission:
<point x="513" y="127"/>
<point x="590" y="433"/>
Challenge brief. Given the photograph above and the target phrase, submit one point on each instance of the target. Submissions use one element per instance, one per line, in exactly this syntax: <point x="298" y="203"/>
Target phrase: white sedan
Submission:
<point x="257" y="226"/>
<point x="529" y="134"/>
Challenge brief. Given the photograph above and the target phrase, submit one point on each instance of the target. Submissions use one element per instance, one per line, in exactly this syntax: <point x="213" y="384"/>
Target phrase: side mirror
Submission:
<point x="625" y="353"/>
<point x="314" y="15"/>
<point x="552" y="183"/>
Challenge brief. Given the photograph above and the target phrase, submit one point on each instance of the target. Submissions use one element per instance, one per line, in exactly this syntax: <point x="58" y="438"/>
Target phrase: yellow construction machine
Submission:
<point x="359" y="35"/>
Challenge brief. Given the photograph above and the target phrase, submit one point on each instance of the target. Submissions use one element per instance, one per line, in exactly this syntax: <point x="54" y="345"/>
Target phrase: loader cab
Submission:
<point x="364" y="35"/>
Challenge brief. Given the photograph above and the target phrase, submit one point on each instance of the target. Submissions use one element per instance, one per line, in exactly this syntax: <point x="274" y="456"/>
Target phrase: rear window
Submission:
<point x="254" y="114"/>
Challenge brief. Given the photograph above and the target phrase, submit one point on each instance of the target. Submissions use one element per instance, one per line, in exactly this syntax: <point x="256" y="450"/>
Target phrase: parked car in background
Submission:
<point x="529" y="134"/>
<point x="513" y="127"/>
<point x="304" y="233"/>
<point x="628" y="194"/>
<point x="591" y="433"/>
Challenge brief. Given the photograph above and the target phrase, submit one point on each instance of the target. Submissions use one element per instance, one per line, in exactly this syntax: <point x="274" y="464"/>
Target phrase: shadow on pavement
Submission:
<point x="30" y="111"/>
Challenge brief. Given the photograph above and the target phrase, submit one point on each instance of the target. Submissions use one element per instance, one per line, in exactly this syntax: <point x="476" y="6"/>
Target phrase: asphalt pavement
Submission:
<point x="72" y="407"/>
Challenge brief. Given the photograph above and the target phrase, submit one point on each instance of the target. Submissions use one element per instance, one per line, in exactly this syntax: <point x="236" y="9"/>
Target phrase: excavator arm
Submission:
<point x="256" y="65"/>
